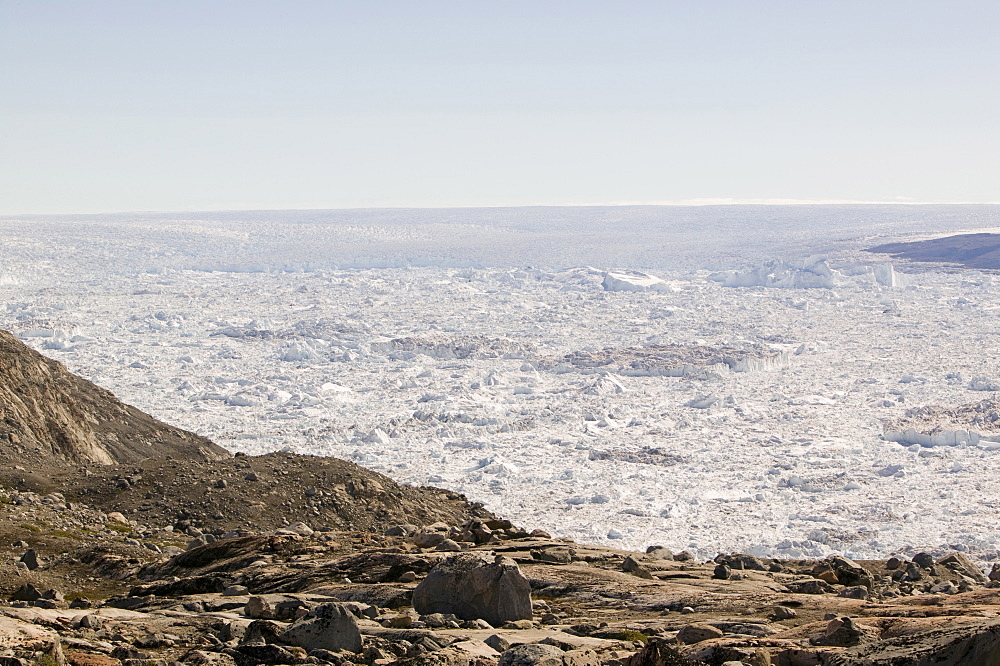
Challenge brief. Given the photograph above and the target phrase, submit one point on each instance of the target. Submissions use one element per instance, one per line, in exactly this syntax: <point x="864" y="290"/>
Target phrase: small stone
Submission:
<point x="403" y="530"/>
<point x="695" y="633"/>
<point x="92" y="621"/>
<point x="427" y="539"/>
<point x="783" y="613"/>
<point x="856" y="592"/>
<point x="407" y="577"/>
<point x="398" y="622"/>
<point x="722" y="572"/>
<point x="924" y="560"/>
<point x="30" y="559"/>
<point x="235" y="591"/>
<point x="630" y="564"/>
<point x="498" y="643"/>
<point x="258" y="608"/>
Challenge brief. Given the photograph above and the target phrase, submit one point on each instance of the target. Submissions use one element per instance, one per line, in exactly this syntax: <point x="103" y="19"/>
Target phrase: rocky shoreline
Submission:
<point x="480" y="592"/>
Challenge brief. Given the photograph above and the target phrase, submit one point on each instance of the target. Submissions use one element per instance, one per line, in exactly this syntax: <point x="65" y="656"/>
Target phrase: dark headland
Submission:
<point x="980" y="251"/>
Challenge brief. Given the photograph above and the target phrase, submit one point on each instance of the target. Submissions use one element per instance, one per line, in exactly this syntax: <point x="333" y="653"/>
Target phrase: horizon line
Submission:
<point x="699" y="202"/>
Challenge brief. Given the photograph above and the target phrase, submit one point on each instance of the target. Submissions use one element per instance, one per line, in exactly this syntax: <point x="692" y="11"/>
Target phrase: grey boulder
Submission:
<point x="473" y="588"/>
<point x="327" y="627"/>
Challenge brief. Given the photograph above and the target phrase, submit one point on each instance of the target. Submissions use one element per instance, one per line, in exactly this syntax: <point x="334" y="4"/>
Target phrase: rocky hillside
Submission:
<point x="48" y="413"/>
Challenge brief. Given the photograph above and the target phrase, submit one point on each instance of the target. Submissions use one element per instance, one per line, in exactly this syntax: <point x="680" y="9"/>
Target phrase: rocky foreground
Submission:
<point x="94" y="588"/>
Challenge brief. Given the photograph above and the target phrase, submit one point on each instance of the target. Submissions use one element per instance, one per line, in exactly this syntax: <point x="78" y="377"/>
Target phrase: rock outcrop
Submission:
<point x="46" y="411"/>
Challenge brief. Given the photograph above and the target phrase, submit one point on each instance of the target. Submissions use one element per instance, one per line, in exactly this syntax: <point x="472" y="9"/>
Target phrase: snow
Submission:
<point x="635" y="281"/>
<point x="483" y="352"/>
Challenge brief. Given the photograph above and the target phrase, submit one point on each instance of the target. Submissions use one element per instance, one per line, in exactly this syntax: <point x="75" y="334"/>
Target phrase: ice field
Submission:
<point x="738" y="402"/>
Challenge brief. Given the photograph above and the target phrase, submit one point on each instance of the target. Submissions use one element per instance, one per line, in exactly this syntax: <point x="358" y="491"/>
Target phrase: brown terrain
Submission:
<point x="126" y="542"/>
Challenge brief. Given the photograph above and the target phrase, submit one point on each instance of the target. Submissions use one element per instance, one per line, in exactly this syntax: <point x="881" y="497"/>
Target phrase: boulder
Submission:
<point x="428" y="539"/>
<point x="27" y="592"/>
<point x="657" y="652"/>
<point x="698" y="632"/>
<point x="960" y="563"/>
<point x="326" y="627"/>
<point x="30" y="559"/>
<point x="851" y="573"/>
<point x="531" y="654"/>
<point x="815" y="586"/>
<point x="473" y="588"/>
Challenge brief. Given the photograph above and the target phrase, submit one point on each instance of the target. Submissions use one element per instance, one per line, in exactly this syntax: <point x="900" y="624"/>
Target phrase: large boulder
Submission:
<point x="532" y="654"/>
<point x="474" y="588"/>
<point x="327" y="627"/>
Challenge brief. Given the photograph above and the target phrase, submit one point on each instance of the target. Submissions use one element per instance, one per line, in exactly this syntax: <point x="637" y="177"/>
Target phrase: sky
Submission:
<point x="208" y="105"/>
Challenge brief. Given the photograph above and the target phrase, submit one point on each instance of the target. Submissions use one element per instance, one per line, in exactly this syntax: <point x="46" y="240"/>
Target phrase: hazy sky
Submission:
<point x="176" y="105"/>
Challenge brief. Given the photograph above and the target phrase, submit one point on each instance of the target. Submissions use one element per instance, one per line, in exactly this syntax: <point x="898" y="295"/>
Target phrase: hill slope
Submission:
<point x="48" y="412"/>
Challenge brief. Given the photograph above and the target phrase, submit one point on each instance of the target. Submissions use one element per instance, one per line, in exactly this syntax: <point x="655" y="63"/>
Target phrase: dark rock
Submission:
<point x="722" y="572"/>
<point x="630" y="564"/>
<point x="27" y="592"/>
<point x="925" y="560"/>
<point x="30" y="559"/>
